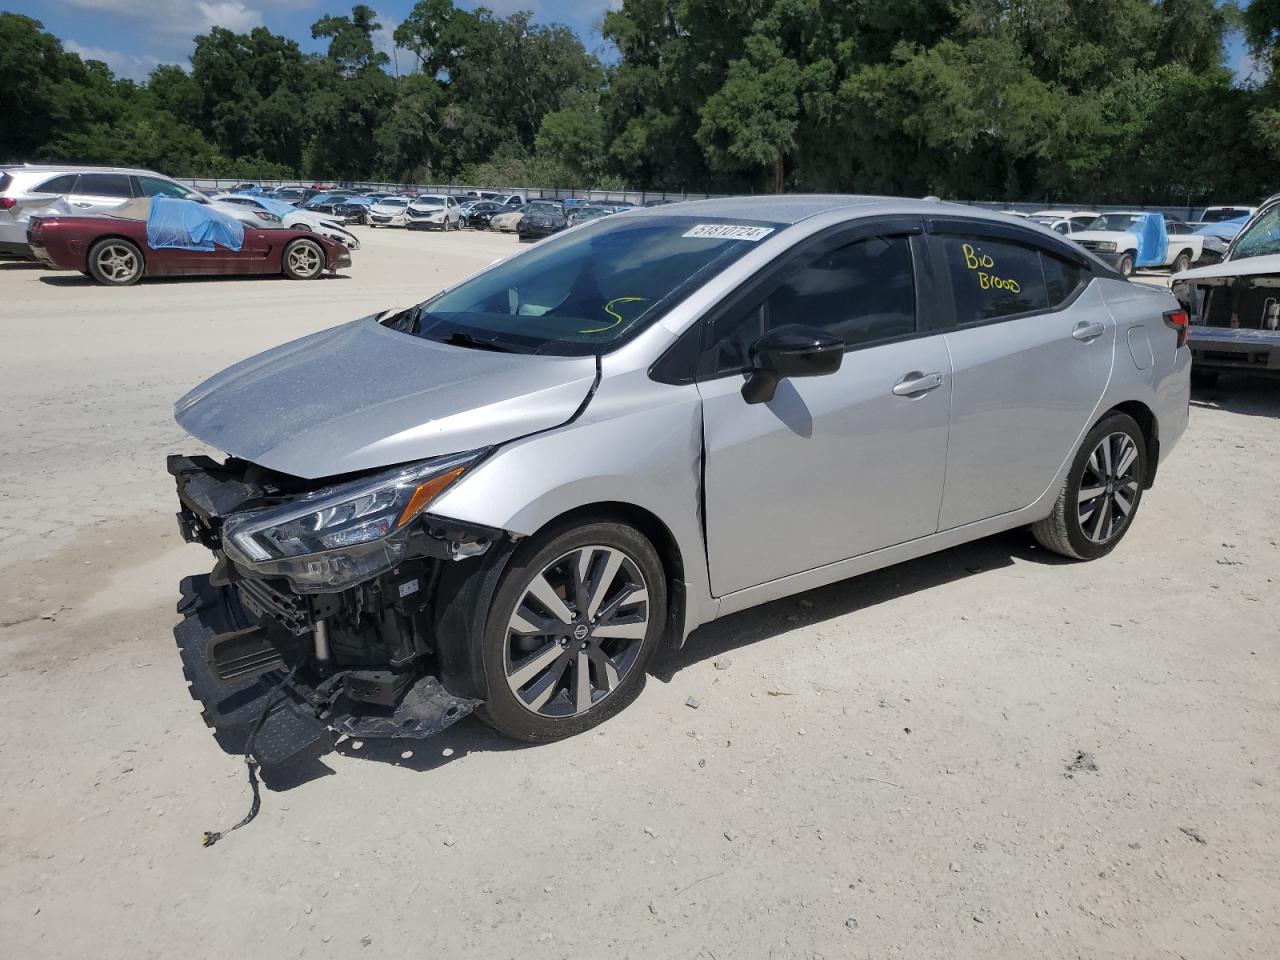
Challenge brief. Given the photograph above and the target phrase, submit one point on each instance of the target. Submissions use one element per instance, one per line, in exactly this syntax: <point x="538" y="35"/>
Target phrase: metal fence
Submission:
<point x="642" y="197"/>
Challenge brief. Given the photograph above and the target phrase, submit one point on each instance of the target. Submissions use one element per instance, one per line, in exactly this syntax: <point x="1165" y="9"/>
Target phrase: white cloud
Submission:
<point x="122" y="64"/>
<point x="182" y="18"/>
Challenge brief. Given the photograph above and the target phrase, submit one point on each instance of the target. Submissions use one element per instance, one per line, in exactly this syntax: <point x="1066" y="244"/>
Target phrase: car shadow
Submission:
<point x="1250" y="396"/>
<point x="738" y="630"/>
<point x="850" y="596"/>
<point x="78" y="280"/>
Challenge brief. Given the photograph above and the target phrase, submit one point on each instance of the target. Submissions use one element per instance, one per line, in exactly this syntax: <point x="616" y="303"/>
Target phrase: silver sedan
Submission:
<point x="507" y="498"/>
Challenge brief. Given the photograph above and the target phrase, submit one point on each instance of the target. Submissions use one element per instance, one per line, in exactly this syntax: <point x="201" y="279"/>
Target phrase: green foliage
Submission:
<point x="1084" y="100"/>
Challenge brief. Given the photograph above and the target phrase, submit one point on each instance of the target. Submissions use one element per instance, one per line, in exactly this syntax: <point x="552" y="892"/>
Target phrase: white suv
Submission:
<point x="28" y="188"/>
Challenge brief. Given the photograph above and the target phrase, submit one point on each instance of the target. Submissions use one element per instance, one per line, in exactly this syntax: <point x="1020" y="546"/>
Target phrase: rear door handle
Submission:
<point x="916" y="383"/>
<point x="1088" y="331"/>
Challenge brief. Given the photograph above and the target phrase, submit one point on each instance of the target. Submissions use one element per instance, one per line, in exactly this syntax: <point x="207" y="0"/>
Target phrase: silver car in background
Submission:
<point x="507" y="498"/>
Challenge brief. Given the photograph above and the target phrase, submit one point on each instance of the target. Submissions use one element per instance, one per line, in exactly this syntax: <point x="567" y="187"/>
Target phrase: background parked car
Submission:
<point x="578" y="215"/>
<point x="541" y="219"/>
<point x="116" y="251"/>
<point x="1111" y="237"/>
<point x="269" y="209"/>
<point x="389" y="212"/>
<point x="1217" y="239"/>
<point x="1219" y="214"/>
<point x="434" y="211"/>
<point x="1234" y="305"/>
<point x="506" y="222"/>
<point x="325" y="202"/>
<point x="294" y="195"/>
<point x="25" y="189"/>
<point x="478" y="213"/>
<point x="1065" y="221"/>
<point x="354" y="209"/>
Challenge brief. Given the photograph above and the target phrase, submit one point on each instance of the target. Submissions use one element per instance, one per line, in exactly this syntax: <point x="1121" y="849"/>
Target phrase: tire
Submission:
<point x="1182" y="262"/>
<point x="1074" y="526"/>
<point x="303" y="260"/>
<point x="116" y="263"/>
<point x="1204" y="378"/>
<point x="1125" y="266"/>
<point x="532" y="675"/>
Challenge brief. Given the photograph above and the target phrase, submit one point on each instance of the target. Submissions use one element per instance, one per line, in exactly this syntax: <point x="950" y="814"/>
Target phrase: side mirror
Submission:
<point x="790" y="351"/>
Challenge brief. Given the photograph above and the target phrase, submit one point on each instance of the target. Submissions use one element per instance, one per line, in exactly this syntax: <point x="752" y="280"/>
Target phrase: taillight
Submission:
<point x="7" y="203"/>
<point x="1180" y="321"/>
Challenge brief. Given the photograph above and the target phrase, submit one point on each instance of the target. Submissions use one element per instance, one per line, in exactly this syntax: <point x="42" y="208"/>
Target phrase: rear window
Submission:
<point x="63" y="184"/>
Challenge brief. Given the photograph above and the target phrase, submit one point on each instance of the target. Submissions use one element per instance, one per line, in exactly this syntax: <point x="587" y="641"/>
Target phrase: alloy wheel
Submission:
<point x="117" y="263"/>
<point x="1108" y="487"/>
<point x="576" y="632"/>
<point x="304" y="260"/>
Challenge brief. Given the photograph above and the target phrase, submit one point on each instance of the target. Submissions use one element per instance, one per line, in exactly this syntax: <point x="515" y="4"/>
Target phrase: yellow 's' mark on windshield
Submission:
<point x="617" y="317"/>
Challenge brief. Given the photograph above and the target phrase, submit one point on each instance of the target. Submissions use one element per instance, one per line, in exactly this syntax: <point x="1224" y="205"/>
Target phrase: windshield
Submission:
<point x="429" y="202"/>
<point x="393" y="202"/>
<point x="1114" y="221"/>
<point x="545" y="209"/>
<point x="583" y="292"/>
<point x="1261" y="239"/>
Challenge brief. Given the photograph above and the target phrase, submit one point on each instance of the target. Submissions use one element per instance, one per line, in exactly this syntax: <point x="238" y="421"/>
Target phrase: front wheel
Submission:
<point x="1101" y="494"/>
<point x="1125" y="266"/>
<point x="572" y="627"/>
<point x="303" y="260"/>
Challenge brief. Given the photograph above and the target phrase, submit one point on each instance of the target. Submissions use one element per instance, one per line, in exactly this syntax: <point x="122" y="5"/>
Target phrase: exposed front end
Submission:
<point x="328" y="608"/>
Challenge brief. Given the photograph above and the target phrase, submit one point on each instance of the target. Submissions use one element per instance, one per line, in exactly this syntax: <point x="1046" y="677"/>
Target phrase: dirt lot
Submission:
<point x="986" y="753"/>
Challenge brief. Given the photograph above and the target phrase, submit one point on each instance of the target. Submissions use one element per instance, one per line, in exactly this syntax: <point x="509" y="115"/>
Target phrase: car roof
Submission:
<point x="792" y="208"/>
<point x="76" y="168"/>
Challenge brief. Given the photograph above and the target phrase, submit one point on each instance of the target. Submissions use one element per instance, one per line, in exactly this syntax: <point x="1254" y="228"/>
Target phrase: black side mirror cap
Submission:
<point x="793" y="350"/>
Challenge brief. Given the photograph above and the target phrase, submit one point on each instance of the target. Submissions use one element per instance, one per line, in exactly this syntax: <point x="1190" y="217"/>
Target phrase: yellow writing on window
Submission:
<point x="981" y="263"/>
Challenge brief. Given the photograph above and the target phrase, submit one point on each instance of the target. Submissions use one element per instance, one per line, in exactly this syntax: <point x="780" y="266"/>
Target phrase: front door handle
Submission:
<point x="916" y="383"/>
<point x="1088" y="331"/>
<point x="81" y="203"/>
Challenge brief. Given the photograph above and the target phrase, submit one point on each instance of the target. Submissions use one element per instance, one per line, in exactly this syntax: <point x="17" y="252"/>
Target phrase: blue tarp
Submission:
<point x="1224" y="229"/>
<point x="186" y="225"/>
<point x="278" y="207"/>
<point x="1153" y="240"/>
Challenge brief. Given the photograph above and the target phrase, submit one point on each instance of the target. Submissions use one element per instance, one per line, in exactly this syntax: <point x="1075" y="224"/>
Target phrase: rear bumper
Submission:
<point x="1242" y="350"/>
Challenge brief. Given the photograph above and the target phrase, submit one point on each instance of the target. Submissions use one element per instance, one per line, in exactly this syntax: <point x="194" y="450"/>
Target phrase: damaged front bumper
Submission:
<point x="377" y="658"/>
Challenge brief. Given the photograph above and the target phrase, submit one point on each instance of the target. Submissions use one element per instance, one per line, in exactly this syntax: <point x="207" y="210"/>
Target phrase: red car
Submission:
<point x="114" y="251"/>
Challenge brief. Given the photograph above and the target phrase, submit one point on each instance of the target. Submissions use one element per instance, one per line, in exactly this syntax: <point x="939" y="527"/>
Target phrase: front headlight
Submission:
<point x="335" y="537"/>
<point x="1107" y="246"/>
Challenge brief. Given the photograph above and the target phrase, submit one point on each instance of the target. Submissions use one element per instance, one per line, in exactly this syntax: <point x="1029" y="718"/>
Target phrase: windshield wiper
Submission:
<point x="460" y="339"/>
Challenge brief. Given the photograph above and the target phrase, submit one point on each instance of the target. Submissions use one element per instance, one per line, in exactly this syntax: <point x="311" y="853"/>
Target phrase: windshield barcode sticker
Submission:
<point x="729" y="231"/>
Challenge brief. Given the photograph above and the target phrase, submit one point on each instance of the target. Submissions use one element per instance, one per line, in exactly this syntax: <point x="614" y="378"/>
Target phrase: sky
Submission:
<point x="133" y="36"/>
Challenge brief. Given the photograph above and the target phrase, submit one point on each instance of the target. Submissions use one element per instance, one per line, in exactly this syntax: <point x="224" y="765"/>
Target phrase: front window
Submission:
<point x="1114" y="221"/>
<point x="586" y="291"/>
<point x="1261" y="239"/>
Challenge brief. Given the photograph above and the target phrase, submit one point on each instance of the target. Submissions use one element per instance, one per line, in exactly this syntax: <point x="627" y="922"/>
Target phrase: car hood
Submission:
<point x="1218" y="273"/>
<point x="361" y="396"/>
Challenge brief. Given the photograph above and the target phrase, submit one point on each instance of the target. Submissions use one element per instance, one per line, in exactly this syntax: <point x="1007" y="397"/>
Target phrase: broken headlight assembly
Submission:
<point x="341" y="535"/>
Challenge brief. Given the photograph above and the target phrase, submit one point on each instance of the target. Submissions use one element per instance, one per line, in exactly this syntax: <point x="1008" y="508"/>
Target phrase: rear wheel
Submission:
<point x="572" y="628"/>
<point x="303" y="260"/>
<point x="115" y="262"/>
<point x="1182" y="261"/>
<point x="1101" y="494"/>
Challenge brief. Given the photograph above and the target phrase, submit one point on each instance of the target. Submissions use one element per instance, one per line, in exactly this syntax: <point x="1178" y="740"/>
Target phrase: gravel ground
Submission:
<point x="985" y="753"/>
